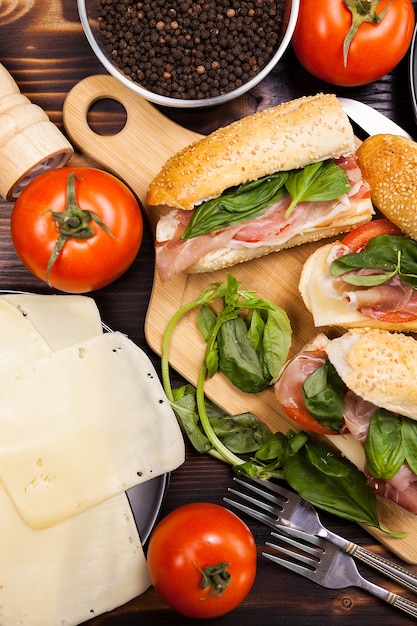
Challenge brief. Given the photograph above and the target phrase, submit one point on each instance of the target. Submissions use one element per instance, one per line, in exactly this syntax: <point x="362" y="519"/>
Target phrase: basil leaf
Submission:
<point x="319" y="181"/>
<point x="238" y="359"/>
<point x="241" y="433"/>
<point x="236" y="205"/>
<point x="206" y="321"/>
<point x="409" y="439"/>
<point x="390" y="254"/>
<point x="331" y="483"/>
<point x="383" y="446"/>
<point x="323" y="392"/>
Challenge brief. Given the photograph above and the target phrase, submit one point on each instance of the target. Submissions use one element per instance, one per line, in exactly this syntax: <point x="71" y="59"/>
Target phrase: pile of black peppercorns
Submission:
<point x="190" y="49"/>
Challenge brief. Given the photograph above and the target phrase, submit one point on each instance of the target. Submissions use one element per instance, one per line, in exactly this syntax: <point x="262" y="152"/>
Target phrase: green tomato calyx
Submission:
<point x="215" y="578"/>
<point x="362" y="11"/>
<point x="73" y="223"/>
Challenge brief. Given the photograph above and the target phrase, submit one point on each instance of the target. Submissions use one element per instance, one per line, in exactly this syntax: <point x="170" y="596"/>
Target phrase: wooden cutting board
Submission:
<point x="136" y="154"/>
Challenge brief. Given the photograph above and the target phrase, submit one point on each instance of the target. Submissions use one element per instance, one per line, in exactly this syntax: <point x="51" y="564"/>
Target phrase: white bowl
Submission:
<point x="88" y="15"/>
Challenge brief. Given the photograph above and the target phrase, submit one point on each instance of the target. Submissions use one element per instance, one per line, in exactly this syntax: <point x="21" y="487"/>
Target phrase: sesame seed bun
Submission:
<point x="288" y="136"/>
<point x="379" y="366"/>
<point x="389" y="165"/>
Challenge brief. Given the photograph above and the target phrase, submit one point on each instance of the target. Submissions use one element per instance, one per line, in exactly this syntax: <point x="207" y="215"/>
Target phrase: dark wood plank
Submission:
<point x="47" y="54"/>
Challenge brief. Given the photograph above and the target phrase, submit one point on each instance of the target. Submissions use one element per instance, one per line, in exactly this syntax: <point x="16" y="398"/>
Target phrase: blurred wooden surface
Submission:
<point x="43" y="46"/>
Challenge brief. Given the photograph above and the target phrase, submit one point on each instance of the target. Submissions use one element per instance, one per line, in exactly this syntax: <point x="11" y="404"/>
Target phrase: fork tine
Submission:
<point x="261" y="517"/>
<point x="294" y="567"/>
<point x="280" y="498"/>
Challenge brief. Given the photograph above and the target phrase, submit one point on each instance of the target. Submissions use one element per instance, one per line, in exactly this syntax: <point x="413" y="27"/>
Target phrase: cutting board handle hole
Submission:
<point x="111" y="111"/>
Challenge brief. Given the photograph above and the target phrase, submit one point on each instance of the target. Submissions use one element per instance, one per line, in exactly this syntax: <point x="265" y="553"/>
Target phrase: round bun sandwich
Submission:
<point x="377" y="372"/>
<point x="256" y="157"/>
<point x="337" y="292"/>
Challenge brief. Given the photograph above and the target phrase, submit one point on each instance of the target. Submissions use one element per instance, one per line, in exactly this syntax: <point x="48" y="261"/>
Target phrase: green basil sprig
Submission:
<point x="268" y="333"/>
<point x="235" y="206"/>
<point x="391" y="441"/>
<point x="317" y="182"/>
<point x="320" y="181"/>
<point x="323" y="393"/>
<point x="324" y="478"/>
<point x="388" y="254"/>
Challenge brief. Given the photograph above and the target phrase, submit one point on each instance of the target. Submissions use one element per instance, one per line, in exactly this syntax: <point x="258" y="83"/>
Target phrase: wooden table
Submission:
<point x="45" y="50"/>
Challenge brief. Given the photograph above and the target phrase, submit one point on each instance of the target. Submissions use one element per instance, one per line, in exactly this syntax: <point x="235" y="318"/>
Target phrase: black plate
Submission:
<point x="145" y="501"/>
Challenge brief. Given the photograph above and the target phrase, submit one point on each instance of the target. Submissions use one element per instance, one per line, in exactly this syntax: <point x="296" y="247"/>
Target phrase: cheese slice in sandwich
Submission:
<point x="308" y="137"/>
<point x="71" y="572"/>
<point x="81" y="425"/>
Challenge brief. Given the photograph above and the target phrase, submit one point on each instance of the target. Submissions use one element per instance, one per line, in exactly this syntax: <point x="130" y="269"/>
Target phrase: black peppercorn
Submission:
<point x="188" y="49"/>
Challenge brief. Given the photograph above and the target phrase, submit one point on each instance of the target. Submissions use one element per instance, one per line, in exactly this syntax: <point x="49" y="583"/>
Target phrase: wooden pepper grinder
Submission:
<point x="29" y="142"/>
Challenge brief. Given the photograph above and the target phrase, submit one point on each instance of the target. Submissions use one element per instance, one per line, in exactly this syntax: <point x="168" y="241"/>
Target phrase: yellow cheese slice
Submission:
<point x="71" y="572"/>
<point x="20" y="342"/>
<point x="61" y="320"/>
<point x="82" y="424"/>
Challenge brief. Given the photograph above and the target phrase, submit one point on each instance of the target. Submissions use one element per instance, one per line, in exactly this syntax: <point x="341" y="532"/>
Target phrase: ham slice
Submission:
<point x="401" y="488"/>
<point x="174" y="255"/>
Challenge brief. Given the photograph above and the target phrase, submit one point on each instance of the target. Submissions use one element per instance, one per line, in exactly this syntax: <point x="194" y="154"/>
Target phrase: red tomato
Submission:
<point x="357" y="239"/>
<point x="303" y="418"/>
<point x="86" y="260"/>
<point x="374" y="51"/>
<point x="187" y="542"/>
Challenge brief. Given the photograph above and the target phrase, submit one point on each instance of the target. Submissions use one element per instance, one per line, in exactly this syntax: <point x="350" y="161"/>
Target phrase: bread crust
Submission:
<point x="389" y="165"/>
<point x="379" y="366"/>
<point x="288" y="136"/>
<point x="330" y="312"/>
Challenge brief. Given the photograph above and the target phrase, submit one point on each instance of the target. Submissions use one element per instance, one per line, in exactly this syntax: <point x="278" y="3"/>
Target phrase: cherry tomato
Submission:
<point x="303" y="418"/>
<point x="357" y="239"/>
<point x="201" y="542"/>
<point x="77" y="228"/>
<point x="375" y="49"/>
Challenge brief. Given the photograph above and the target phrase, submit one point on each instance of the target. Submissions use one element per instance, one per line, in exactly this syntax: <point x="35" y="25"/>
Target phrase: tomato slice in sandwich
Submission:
<point x="303" y="418"/>
<point x="357" y="239"/>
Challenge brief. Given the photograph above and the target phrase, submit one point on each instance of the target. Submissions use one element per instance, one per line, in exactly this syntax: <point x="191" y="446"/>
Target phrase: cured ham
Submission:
<point x="174" y="255"/>
<point x="402" y="487"/>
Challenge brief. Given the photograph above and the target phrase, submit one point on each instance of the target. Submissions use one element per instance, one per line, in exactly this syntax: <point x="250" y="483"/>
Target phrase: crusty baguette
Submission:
<point x="379" y="366"/>
<point x="389" y="165"/>
<point x="329" y="311"/>
<point x="288" y="136"/>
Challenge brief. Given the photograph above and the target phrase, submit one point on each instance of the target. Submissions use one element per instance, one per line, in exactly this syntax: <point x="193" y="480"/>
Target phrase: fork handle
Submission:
<point x="403" y="604"/>
<point x="401" y="575"/>
<point x="390" y="569"/>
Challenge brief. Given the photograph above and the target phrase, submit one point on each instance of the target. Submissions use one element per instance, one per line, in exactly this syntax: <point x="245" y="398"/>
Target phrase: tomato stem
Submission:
<point x="216" y="578"/>
<point x="73" y="222"/>
<point x="362" y="11"/>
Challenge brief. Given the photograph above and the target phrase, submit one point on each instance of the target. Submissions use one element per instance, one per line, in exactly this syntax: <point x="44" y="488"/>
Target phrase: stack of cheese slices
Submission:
<point x="83" y="418"/>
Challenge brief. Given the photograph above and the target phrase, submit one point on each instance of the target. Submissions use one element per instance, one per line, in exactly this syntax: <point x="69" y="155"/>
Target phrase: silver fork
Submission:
<point x="289" y="509"/>
<point x="328" y="566"/>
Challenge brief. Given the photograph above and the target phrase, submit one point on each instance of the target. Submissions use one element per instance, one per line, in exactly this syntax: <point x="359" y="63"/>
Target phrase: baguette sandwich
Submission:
<point x="362" y="386"/>
<point x="273" y="180"/>
<point x="369" y="279"/>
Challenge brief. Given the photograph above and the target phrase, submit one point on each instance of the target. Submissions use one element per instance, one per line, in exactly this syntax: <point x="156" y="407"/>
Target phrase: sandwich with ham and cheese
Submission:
<point x="367" y="279"/>
<point x="361" y="385"/>
<point x="273" y="180"/>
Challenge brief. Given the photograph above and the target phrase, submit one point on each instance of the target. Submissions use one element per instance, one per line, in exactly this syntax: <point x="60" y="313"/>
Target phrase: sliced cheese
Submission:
<point x="82" y="424"/>
<point x="72" y="572"/>
<point x="327" y="307"/>
<point x="61" y="320"/>
<point x="20" y="342"/>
